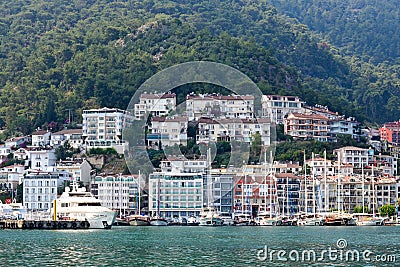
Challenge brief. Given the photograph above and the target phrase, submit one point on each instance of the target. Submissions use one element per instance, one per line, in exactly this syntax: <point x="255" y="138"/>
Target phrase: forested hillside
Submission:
<point x="58" y="57"/>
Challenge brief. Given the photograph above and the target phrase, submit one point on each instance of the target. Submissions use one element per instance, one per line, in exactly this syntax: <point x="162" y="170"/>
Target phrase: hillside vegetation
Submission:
<point x="59" y="57"/>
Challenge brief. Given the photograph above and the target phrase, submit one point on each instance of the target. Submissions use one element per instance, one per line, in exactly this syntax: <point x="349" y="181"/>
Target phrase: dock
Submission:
<point x="43" y="224"/>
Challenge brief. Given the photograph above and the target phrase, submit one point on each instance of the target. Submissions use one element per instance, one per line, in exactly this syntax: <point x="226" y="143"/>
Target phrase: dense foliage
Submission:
<point x="59" y="57"/>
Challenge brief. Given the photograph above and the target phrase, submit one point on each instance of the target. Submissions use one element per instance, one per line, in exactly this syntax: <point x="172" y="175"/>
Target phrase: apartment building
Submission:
<point x="390" y="132"/>
<point x="219" y="106"/>
<point x="307" y="126"/>
<point x="167" y="131"/>
<point x="356" y="156"/>
<point x="72" y="136"/>
<point x="102" y="128"/>
<point x="276" y="107"/>
<point x="233" y="129"/>
<point x="155" y="104"/>
<point x="343" y="126"/>
<point x="175" y="194"/>
<point x="117" y="192"/>
<point x="41" y="188"/>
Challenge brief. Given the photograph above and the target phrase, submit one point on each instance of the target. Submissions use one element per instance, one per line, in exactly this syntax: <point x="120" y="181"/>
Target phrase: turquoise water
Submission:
<point x="196" y="246"/>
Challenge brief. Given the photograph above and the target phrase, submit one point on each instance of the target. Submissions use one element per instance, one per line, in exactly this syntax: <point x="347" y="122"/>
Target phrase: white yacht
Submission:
<point x="227" y="218"/>
<point x="210" y="217"/>
<point x="78" y="204"/>
<point x="158" y="221"/>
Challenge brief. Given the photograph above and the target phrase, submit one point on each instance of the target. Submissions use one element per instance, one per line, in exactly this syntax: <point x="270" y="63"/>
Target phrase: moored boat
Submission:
<point x="209" y="217"/>
<point x="158" y="221"/>
<point x="78" y="204"/>
<point x="139" y="220"/>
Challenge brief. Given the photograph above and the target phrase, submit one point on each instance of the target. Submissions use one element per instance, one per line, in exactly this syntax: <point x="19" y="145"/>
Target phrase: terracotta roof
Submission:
<point x="40" y="132"/>
<point x="220" y="97"/>
<point x="308" y="116"/>
<point x="157" y="96"/>
<point x="69" y="131"/>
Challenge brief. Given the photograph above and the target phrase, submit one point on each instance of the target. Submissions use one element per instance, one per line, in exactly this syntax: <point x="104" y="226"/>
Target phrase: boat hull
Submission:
<point x="210" y="222"/>
<point x="137" y="222"/>
<point x="158" y="222"/>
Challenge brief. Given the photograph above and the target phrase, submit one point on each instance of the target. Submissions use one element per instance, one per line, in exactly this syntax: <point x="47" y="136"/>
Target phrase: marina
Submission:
<point x="189" y="246"/>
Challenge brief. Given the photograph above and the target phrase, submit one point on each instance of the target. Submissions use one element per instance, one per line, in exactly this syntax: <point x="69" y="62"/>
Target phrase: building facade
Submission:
<point x="175" y="194"/>
<point x="276" y="107"/>
<point x="155" y="104"/>
<point x="167" y="131"/>
<point x="219" y="106"/>
<point x="233" y="129"/>
<point x="307" y="126"/>
<point x="102" y="128"/>
<point x="117" y="192"/>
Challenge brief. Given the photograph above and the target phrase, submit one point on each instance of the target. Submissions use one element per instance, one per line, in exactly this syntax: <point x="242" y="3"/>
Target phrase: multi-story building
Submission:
<point x="276" y="107"/>
<point x="41" y="188"/>
<point x="288" y="193"/>
<point x="42" y="159"/>
<point x="321" y="110"/>
<point x="41" y="138"/>
<point x="80" y="169"/>
<point x="167" y="131"/>
<point x="155" y="104"/>
<point x="178" y="164"/>
<point x="222" y="192"/>
<point x="343" y="126"/>
<point x="387" y="165"/>
<point x="307" y="126"/>
<point x="233" y="129"/>
<point x="219" y="106"/>
<point x="175" y="194"/>
<point x="72" y="136"/>
<point x="117" y="192"/>
<point x="390" y="132"/>
<point x="356" y="156"/>
<point x="103" y="128"/>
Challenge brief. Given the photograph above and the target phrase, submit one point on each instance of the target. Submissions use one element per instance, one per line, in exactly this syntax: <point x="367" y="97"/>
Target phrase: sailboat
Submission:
<point x="209" y="216"/>
<point x="157" y="220"/>
<point x="138" y="219"/>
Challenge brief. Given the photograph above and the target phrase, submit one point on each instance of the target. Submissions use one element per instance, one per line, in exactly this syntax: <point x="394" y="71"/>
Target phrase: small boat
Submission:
<point x="311" y="220"/>
<point x="192" y="221"/>
<point x="158" y="221"/>
<point x="242" y="219"/>
<point x="267" y="220"/>
<point x="209" y="217"/>
<point x="139" y="220"/>
<point x="340" y="220"/>
<point x="286" y="221"/>
<point x="227" y="219"/>
<point x="121" y="221"/>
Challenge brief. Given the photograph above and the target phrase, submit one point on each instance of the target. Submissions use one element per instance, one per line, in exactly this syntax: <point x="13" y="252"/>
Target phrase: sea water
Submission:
<point x="203" y="246"/>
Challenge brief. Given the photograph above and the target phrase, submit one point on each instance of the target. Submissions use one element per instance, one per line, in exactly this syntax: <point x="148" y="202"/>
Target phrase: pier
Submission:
<point x="44" y="224"/>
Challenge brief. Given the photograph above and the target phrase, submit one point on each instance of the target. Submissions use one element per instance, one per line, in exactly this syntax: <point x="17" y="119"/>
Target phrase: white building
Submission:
<point x="72" y="136"/>
<point x="276" y="107"/>
<point x="216" y="106"/>
<point x="155" y="104"/>
<point x="16" y="142"/>
<point x="175" y="194"/>
<point x="40" y="189"/>
<point x="102" y="128"/>
<point x="177" y="164"/>
<point x="386" y="164"/>
<point x="233" y="129"/>
<point x="168" y="131"/>
<point x="41" y="138"/>
<point x="343" y="126"/>
<point x="356" y="156"/>
<point x="117" y="192"/>
<point x="42" y="159"/>
<point x="78" y="168"/>
<point x="5" y="151"/>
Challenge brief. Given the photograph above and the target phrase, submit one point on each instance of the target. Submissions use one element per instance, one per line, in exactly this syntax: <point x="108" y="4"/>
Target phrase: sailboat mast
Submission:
<point x="270" y="188"/>
<point x="373" y="190"/>
<point x="313" y="182"/>
<point x="362" y="191"/>
<point x="265" y="182"/>
<point x="338" y="185"/>
<point x="305" y="183"/>
<point x="325" y="185"/>
<point x="138" y="188"/>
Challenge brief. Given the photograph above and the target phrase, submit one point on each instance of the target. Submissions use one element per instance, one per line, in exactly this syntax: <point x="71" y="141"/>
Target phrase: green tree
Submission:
<point x="387" y="210"/>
